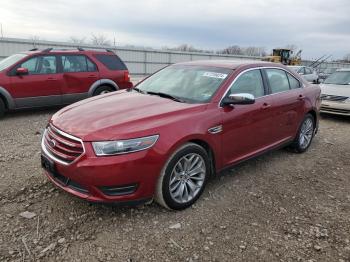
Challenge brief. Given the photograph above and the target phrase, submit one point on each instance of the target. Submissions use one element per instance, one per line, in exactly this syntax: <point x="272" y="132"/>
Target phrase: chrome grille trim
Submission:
<point x="333" y="98"/>
<point x="63" y="134"/>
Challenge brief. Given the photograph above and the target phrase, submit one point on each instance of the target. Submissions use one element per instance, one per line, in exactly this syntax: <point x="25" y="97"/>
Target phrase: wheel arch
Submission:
<point x="100" y="82"/>
<point x="210" y="152"/>
<point x="7" y="98"/>
<point x="199" y="139"/>
<point x="314" y="114"/>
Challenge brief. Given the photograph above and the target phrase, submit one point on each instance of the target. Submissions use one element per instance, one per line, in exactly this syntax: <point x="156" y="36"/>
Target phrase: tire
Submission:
<point x="103" y="90"/>
<point x="2" y="108"/>
<point x="305" y="134"/>
<point x="182" y="182"/>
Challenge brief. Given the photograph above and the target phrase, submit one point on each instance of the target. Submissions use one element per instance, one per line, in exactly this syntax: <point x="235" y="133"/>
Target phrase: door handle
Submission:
<point x="265" y="106"/>
<point x="301" y="97"/>
<point x="51" y="79"/>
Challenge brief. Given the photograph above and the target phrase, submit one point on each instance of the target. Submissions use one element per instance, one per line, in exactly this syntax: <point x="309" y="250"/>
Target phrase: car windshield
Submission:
<point x="339" y="78"/>
<point x="192" y="84"/>
<point x="9" y="61"/>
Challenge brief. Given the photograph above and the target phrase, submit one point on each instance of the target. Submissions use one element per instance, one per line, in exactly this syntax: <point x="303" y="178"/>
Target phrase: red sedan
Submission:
<point x="164" y="138"/>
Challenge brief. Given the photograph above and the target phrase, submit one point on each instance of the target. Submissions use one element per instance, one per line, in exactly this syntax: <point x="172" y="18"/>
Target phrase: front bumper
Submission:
<point x="114" y="179"/>
<point x="337" y="108"/>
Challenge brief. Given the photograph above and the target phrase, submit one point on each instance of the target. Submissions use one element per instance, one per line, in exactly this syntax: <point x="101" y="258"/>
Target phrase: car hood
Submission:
<point x="120" y="115"/>
<point x="335" y="90"/>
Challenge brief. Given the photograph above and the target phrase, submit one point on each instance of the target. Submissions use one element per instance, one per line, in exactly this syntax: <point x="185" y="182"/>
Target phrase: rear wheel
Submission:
<point x="183" y="177"/>
<point x="103" y="90"/>
<point x="305" y="134"/>
<point x="2" y="108"/>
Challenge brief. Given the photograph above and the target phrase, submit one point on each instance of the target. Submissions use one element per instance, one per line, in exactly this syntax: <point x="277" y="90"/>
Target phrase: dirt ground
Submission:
<point x="279" y="207"/>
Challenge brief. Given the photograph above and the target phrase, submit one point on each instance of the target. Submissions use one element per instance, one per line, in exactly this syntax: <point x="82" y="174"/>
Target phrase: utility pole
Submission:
<point x="2" y="34"/>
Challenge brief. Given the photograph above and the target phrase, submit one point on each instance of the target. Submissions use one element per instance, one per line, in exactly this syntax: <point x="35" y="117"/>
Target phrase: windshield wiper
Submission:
<point x="138" y="90"/>
<point x="166" y="96"/>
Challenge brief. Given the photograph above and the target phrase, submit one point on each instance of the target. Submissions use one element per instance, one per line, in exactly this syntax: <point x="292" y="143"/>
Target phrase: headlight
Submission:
<point x="108" y="148"/>
<point x="347" y="100"/>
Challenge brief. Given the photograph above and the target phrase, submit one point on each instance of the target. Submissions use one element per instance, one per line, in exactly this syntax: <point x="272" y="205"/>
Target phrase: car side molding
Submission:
<point x="100" y="82"/>
<point x="9" y="100"/>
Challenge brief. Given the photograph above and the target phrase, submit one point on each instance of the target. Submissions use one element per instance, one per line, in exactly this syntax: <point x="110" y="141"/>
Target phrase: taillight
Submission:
<point x="126" y="76"/>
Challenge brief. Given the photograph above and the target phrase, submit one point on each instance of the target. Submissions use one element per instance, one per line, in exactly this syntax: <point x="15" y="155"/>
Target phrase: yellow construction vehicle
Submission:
<point x="284" y="56"/>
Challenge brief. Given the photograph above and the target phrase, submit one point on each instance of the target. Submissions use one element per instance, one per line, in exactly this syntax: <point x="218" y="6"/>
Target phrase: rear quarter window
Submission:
<point x="112" y="62"/>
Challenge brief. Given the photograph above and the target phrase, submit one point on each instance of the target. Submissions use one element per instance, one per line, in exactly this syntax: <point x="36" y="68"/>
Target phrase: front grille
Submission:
<point x="335" y="110"/>
<point x="62" y="147"/>
<point x="333" y="98"/>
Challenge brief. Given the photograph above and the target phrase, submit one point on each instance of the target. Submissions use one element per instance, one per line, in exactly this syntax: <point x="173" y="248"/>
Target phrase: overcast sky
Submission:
<point x="316" y="26"/>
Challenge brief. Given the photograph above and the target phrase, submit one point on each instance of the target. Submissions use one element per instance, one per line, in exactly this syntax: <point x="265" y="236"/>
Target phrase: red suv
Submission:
<point x="57" y="77"/>
<point x="165" y="137"/>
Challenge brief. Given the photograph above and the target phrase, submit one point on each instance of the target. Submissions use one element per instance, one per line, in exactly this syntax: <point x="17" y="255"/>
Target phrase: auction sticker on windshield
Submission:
<point x="214" y="75"/>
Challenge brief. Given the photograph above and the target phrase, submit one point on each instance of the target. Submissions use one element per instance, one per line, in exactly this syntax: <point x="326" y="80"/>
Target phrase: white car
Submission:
<point x="335" y="93"/>
<point x="308" y="73"/>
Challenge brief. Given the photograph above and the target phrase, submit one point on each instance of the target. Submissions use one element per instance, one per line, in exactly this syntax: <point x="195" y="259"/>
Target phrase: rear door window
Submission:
<point x="112" y="62"/>
<point x="278" y="80"/>
<point x="293" y="82"/>
<point x="77" y="63"/>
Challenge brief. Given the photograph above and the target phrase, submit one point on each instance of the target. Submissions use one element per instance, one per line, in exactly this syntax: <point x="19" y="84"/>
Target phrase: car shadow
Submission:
<point x="332" y="117"/>
<point x="32" y="112"/>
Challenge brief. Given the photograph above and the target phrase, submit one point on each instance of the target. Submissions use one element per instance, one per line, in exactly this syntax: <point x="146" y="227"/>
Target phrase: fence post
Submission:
<point x="145" y="63"/>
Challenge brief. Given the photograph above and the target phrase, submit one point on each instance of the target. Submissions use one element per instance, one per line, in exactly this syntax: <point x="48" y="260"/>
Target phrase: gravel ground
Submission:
<point x="278" y="207"/>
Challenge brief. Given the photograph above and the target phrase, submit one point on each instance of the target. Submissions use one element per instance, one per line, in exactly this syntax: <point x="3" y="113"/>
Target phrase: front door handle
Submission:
<point x="265" y="106"/>
<point x="51" y="79"/>
<point x="301" y="97"/>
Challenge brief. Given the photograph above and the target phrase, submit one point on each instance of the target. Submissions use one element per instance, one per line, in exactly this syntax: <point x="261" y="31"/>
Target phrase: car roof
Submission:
<point x="343" y="70"/>
<point x="231" y="64"/>
<point x="296" y="66"/>
<point x="68" y="51"/>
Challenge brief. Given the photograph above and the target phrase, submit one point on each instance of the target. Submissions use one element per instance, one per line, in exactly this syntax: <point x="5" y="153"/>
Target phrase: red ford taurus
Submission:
<point x="164" y="138"/>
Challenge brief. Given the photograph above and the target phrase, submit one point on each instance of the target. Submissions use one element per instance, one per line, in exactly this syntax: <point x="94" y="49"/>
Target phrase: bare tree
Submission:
<point x="231" y="50"/>
<point x="100" y="40"/>
<point x="77" y="40"/>
<point x="248" y="51"/>
<point x="34" y="39"/>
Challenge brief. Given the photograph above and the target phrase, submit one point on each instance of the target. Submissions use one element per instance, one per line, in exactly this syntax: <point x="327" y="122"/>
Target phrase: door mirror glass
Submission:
<point x="22" y="71"/>
<point x="238" y="99"/>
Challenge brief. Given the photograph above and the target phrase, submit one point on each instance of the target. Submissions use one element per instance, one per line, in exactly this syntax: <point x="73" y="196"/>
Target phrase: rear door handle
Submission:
<point x="92" y="76"/>
<point x="265" y="106"/>
<point x="301" y="97"/>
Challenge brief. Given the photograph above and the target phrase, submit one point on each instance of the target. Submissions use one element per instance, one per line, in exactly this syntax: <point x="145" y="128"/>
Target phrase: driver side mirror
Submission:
<point x="22" y="71"/>
<point x="238" y="99"/>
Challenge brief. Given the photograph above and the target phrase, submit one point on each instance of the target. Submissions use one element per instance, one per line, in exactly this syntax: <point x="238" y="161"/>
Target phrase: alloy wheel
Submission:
<point x="306" y="133"/>
<point x="187" y="178"/>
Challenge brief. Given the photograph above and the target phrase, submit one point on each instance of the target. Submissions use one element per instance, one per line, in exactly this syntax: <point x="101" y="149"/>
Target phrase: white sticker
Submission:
<point x="215" y="75"/>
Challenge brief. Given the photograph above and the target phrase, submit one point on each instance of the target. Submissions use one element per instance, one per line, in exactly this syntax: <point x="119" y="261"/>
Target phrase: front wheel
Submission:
<point x="103" y="90"/>
<point x="2" y="108"/>
<point x="183" y="177"/>
<point x="305" y="134"/>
